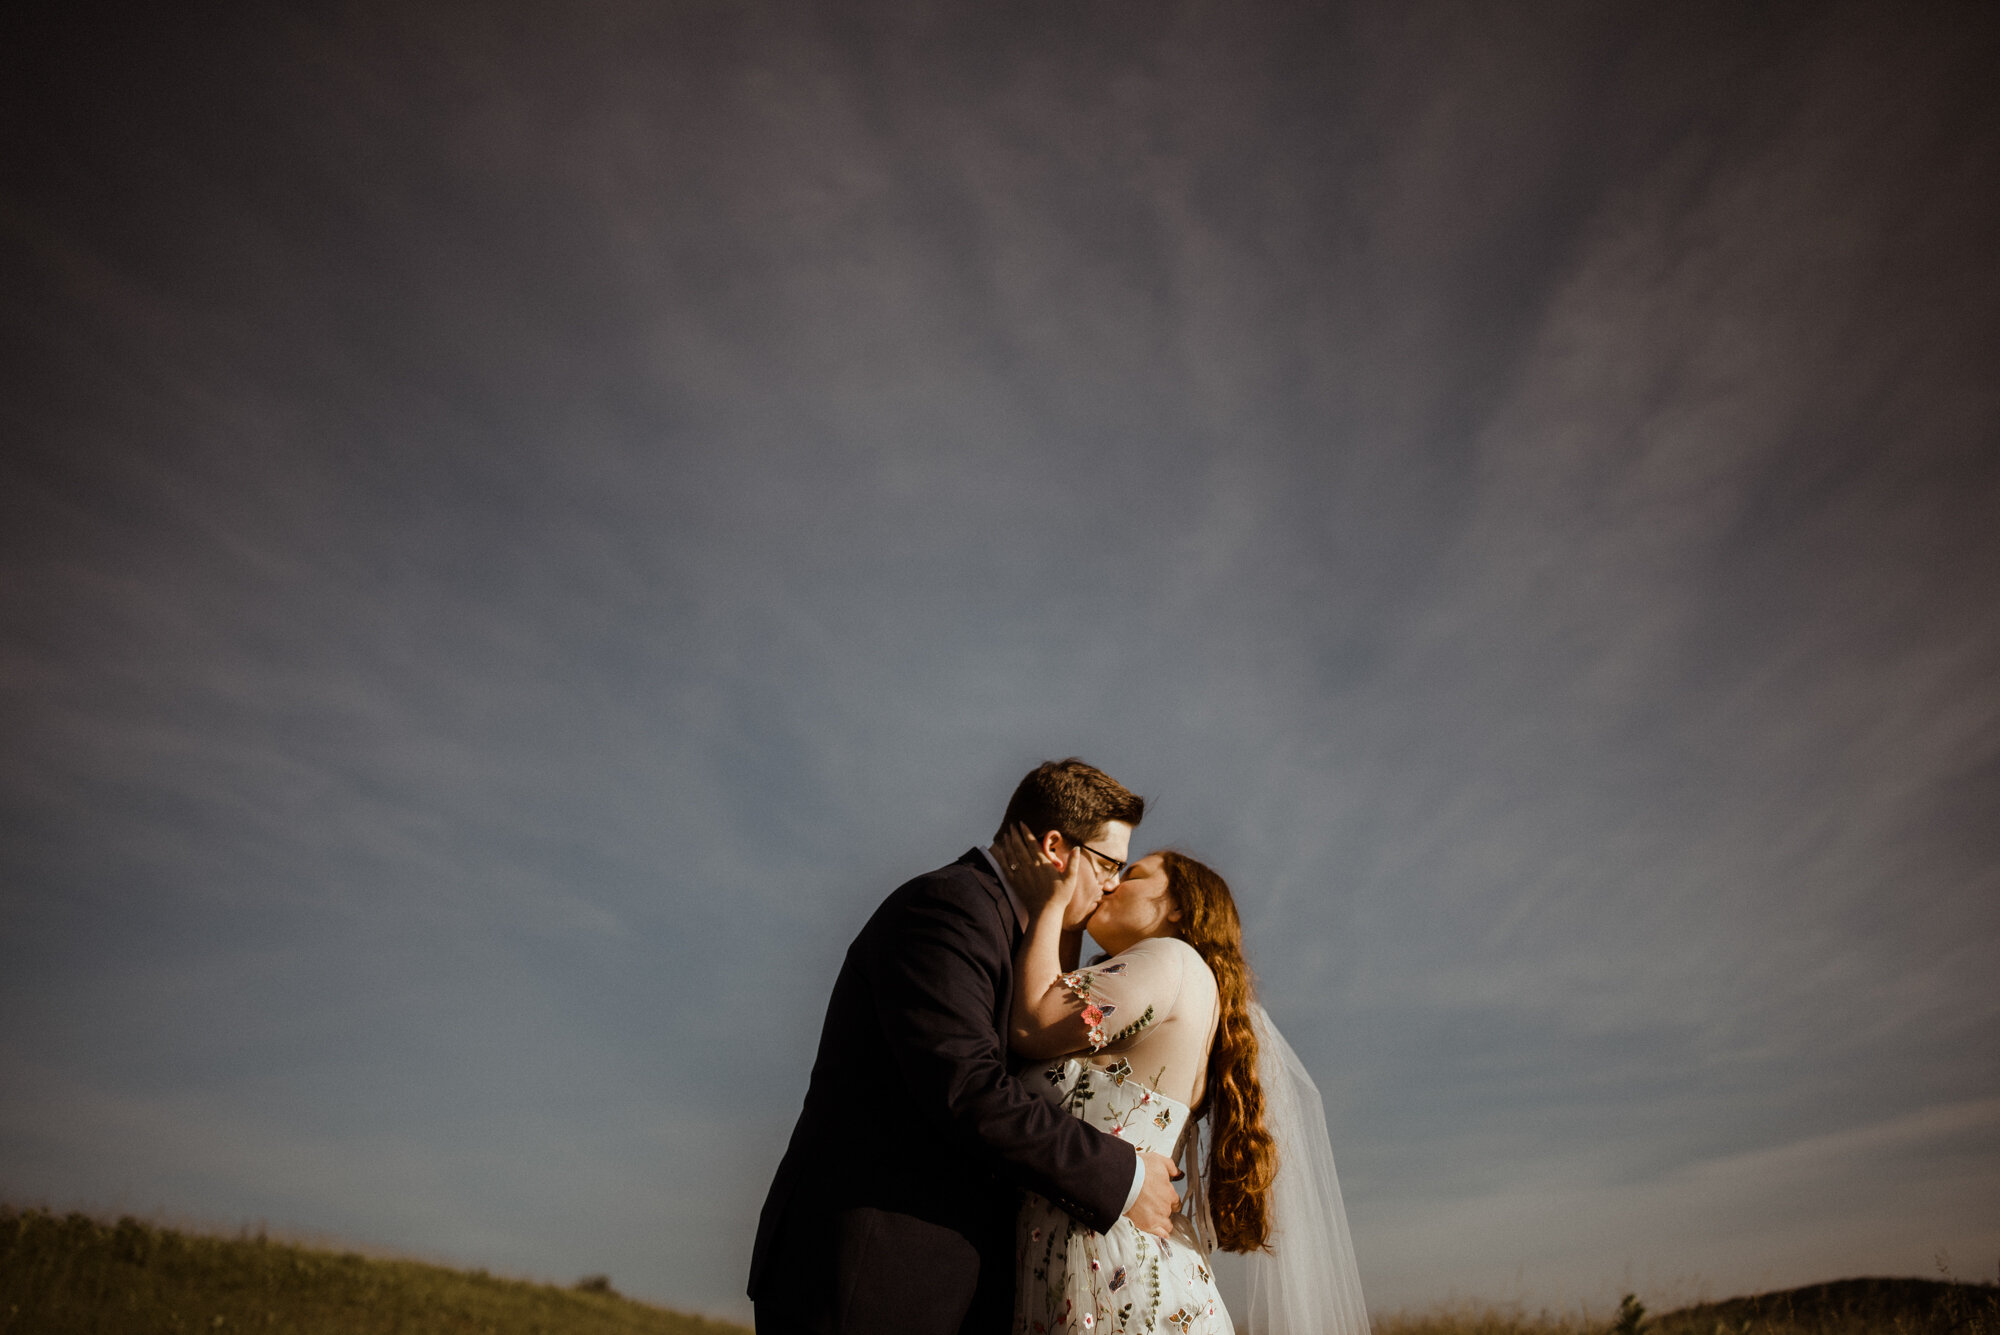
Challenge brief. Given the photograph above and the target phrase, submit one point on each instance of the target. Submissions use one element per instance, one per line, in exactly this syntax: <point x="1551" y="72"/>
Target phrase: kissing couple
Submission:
<point x="992" y="1134"/>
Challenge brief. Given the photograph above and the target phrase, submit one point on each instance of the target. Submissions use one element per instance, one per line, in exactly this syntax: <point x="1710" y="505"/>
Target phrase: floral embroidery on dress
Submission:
<point x="1078" y="984"/>
<point x="1075" y="1281"/>
<point x="1145" y="1018"/>
<point x="1070" y="1278"/>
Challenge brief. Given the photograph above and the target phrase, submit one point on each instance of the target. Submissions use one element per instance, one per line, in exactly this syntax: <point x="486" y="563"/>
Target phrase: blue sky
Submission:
<point x="521" y="527"/>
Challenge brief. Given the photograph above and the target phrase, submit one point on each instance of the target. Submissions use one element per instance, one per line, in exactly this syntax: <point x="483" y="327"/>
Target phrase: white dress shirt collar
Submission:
<point x="1020" y="909"/>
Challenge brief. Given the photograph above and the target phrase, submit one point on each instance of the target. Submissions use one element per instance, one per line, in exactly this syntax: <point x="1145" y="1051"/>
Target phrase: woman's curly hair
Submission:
<point x="1242" y="1158"/>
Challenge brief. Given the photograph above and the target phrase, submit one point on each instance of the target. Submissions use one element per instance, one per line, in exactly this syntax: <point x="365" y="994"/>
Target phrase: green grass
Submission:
<point x="74" y="1275"/>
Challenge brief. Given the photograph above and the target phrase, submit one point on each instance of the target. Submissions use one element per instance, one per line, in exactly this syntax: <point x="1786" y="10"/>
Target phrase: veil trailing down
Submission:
<point x="1307" y="1282"/>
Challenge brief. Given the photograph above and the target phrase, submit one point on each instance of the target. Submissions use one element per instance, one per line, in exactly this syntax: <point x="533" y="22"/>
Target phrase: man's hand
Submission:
<point x="1153" y="1212"/>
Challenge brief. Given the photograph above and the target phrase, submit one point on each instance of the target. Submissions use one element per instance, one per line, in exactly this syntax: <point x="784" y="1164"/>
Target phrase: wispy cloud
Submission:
<point x="504" y="577"/>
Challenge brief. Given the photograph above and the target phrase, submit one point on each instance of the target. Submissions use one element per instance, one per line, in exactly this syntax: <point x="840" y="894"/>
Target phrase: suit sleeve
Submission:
<point x="935" y="977"/>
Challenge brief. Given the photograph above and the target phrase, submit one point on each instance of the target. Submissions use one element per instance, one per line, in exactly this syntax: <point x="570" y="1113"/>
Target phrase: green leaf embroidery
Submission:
<point x="1145" y="1018"/>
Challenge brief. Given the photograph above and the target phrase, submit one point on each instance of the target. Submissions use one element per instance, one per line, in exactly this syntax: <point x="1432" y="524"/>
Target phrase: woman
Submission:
<point x="1161" y="1032"/>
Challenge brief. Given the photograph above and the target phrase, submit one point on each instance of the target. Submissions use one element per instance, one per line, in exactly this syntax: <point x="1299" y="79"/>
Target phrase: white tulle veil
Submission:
<point x="1307" y="1283"/>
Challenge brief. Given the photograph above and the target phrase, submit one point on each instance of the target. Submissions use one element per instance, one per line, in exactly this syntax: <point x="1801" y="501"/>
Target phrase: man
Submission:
<point x="892" y="1212"/>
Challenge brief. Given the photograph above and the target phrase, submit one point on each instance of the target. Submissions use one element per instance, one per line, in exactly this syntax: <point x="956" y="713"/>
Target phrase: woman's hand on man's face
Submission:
<point x="1037" y="880"/>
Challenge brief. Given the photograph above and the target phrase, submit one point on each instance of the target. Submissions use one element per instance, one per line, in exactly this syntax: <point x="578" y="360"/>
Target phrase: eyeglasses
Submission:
<point x="1107" y="864"/>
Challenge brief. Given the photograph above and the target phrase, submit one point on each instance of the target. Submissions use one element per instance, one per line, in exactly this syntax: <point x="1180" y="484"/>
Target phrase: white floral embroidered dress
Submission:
<point x="1146" y="1018"/>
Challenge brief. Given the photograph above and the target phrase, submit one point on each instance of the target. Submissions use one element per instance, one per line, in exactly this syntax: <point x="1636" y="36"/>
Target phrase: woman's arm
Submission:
<point x="1060" y="1010"/>
<point x="1048" y="1021"/>
<point x="1072" y="947"/>
<point x="1047" y="1017"/>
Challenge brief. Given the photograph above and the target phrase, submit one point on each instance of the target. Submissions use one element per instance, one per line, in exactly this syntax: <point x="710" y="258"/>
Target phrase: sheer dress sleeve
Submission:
<point x="1152" y="1005"/>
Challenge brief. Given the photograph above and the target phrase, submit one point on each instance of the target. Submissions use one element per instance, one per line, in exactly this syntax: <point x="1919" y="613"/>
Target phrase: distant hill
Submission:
<point x="1846" y="1307"/>
<point x="73" y="1275"/>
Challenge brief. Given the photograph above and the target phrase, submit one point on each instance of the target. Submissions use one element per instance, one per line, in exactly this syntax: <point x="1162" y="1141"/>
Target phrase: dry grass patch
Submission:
<point x="1472" y="1318"/>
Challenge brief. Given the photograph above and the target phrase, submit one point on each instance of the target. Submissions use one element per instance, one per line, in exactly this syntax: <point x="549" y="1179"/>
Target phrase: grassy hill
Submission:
<point x="1847" y="1307"/>
<point x="73" y="1275"/>
<point x="1844" y="1307"/>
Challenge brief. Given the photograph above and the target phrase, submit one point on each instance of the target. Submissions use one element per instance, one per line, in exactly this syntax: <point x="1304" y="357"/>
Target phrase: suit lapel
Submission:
<point x="1010" y="927"/>
<point x="990" y="883"/>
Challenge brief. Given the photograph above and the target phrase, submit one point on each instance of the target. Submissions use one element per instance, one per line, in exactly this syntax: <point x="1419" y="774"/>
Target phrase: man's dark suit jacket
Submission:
<point x="893" y="1209"/>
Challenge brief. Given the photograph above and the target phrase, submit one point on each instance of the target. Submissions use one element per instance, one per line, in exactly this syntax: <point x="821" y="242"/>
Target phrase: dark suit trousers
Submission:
<point x="899" y="1275"/>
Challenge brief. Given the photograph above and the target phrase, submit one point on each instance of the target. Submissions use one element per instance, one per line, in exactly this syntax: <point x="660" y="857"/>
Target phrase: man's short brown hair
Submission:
<point x="1074" y="799"/>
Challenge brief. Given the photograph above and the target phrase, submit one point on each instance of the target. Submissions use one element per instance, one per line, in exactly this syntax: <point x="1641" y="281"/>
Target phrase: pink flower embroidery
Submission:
<point x="1078" y="984"/>
<point x="1145" y="1096"/>
<point x="1096" y="1264"/>
<point x="1088" y="1321"/>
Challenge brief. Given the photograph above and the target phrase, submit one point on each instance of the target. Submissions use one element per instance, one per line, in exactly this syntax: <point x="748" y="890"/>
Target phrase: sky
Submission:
<point x="520" y="524"/>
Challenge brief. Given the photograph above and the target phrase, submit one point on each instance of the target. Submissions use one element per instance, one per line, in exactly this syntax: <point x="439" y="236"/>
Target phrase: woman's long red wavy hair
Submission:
<point x="1242" y="1158"/>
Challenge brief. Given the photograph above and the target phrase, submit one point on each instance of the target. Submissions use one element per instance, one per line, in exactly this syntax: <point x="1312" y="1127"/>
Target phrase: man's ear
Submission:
<point x="1056" y="849"/>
